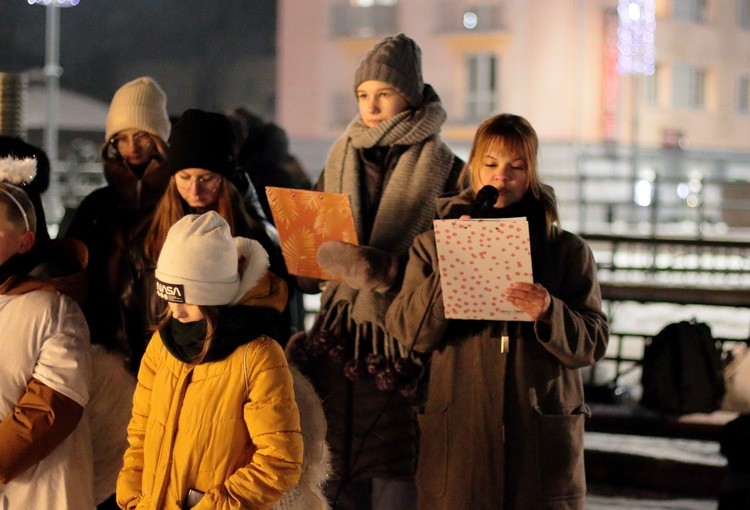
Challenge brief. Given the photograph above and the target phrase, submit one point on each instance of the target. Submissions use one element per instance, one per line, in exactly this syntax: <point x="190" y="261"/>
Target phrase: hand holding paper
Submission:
<point x="531" y="298"/>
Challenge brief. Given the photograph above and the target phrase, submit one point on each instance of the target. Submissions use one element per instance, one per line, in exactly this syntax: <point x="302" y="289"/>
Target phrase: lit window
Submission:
<point x="743" y="94"/>
<point x="743" y="14"/>
<point x="370" y="3"/>
<point x="690" y="10"/>
<point x="481" y="86"/>
<point x="688" y="87"/>
<point x="651" y="87"/>
<point x="644" y="188"/>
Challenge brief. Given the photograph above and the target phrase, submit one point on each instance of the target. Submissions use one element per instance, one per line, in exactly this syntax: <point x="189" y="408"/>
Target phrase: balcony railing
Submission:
<point x="362" y="21"/>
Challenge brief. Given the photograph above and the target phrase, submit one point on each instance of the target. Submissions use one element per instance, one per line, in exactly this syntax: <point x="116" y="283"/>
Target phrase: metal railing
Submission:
<point x="644" y="271"/>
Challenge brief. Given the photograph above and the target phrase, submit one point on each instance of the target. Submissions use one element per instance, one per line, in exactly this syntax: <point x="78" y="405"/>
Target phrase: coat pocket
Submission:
<point x="432" y="466"/>
<point x="560" y="454"/>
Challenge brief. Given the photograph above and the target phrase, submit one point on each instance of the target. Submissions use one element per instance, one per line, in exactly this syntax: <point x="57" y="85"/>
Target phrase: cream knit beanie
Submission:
<point x="397" y="61"/>
<point x="139" y="104"/>
<point x="198" y="264"/>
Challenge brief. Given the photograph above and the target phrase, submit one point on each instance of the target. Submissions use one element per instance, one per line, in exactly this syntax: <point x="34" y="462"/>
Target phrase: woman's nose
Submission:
<point x="132" y="145"/>
<point x="500" y="173"/>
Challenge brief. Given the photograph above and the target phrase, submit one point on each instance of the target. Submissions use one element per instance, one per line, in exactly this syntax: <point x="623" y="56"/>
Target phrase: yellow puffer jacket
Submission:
<point x="198" y="427"/>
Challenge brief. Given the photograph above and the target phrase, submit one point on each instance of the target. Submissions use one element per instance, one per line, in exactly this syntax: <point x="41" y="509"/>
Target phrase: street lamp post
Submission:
<point x="52" y="72"/>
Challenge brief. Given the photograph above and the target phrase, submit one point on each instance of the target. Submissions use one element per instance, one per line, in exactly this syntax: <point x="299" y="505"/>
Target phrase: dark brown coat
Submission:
<point x="504" y="430"/>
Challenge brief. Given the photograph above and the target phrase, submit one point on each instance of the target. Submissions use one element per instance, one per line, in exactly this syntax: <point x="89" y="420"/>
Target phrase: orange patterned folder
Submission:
<point x="305" y="219"/>
<point x="478" y="259"/>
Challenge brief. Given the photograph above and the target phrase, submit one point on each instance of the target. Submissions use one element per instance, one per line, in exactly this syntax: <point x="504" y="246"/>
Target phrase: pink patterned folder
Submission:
<point x="478" y="259"/>
<point x="305" y="219"/>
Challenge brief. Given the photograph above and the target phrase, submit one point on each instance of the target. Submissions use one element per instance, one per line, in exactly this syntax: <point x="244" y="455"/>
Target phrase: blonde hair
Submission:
<point x="19" y="208"/>
<point x="512" y="134"/>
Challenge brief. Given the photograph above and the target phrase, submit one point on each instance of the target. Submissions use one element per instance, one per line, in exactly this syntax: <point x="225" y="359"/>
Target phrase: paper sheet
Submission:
<point x="305" y="219"/>
<point x="478" y="259"/>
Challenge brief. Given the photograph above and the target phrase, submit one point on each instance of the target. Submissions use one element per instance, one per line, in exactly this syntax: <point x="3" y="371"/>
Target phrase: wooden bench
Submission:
<point x="649" y="472"/>
<point x="634" y="419"/>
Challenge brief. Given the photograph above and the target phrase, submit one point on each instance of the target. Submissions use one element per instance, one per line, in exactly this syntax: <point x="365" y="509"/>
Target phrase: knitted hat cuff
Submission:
<point x="181" y="290"/>
<point x="139" y="104"/>
<point x="142" y="121"/>
<point x="391" y="76"/>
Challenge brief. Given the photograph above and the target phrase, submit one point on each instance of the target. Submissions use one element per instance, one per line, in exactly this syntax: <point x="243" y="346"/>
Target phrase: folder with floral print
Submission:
<point x="477" y="260"/>
<point x="304" y="220"/>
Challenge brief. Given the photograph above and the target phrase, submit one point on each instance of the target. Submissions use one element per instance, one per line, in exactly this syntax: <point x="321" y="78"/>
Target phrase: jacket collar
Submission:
<point x="57" y="264"/>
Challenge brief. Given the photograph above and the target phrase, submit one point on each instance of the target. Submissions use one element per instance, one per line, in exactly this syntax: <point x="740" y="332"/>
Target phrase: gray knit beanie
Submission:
<point x="396" y="60"/>
<point x="139" y="104"/>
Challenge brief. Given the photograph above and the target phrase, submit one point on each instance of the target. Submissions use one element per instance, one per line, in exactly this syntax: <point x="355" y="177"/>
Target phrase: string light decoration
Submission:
<point x="635" y="37"/>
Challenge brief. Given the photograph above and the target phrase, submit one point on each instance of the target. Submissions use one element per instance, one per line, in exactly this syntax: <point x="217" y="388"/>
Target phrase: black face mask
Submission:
<point x="188" y="337"/>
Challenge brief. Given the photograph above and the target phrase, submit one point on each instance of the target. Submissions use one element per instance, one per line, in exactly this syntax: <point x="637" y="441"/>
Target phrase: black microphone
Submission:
<point x="486" y="198"/>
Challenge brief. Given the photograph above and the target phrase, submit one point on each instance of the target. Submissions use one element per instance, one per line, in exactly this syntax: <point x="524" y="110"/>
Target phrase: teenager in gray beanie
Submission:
<point x="392" y="163"/>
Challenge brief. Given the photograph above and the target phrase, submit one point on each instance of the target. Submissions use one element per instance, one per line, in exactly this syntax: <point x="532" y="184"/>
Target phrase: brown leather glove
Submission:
<point x="361" y="267"/>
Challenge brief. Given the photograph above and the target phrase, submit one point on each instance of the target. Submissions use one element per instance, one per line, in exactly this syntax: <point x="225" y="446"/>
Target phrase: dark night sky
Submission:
<point x="207" y="54"/>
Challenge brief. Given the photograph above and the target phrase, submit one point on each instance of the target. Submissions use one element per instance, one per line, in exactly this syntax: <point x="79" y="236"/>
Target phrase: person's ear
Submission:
<point x="27" y="241"/>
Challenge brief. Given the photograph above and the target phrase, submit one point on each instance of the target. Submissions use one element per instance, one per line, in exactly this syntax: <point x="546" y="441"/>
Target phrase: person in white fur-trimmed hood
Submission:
<point x="215" y="422"/>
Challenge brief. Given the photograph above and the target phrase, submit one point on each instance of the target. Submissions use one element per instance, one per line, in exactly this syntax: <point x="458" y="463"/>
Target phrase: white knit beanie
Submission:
<point x="198" y="264"/>
<point x="139" y="104"/>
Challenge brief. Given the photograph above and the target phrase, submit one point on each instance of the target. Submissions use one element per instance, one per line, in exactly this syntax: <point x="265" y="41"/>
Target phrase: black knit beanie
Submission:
<point x="202" y="140"/>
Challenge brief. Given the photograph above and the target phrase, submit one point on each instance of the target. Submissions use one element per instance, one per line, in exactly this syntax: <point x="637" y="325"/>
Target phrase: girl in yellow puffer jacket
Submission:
<point x="215" y="424"/>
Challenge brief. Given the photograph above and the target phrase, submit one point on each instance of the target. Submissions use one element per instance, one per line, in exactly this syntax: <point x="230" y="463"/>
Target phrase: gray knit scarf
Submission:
<point x="407" y="206"/>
